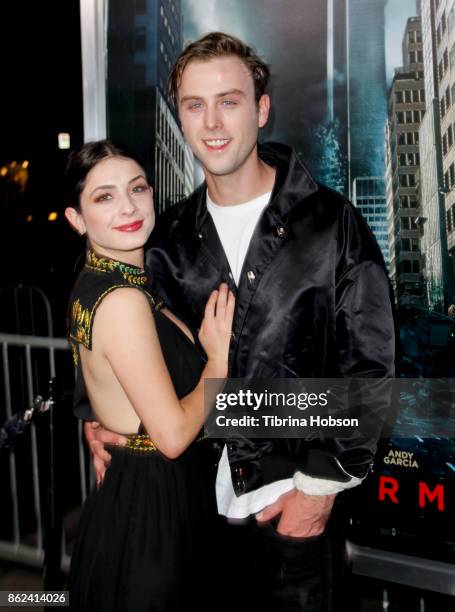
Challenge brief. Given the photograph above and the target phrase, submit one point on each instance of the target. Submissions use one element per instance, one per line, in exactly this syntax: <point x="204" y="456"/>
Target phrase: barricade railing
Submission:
<point x="28" y="364"/>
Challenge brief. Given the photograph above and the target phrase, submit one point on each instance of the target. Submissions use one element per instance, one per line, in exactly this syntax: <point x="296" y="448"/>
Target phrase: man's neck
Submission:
<point x="254" y="178"/>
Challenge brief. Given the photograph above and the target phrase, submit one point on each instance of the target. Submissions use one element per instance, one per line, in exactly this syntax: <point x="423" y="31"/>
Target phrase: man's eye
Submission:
<point x="195" y="106"/>
<point x="229" y="102"/>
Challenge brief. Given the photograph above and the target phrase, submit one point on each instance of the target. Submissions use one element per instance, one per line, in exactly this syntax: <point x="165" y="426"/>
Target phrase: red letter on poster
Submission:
<point x="388" y="486"/>
<point x="438" y="492"/>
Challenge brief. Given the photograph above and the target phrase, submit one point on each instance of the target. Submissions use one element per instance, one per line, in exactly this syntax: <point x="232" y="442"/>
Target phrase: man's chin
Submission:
<point x="224" y="169"/>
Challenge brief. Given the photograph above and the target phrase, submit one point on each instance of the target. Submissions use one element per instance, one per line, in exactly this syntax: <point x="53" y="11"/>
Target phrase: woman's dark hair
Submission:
<point x="83" y="159"/>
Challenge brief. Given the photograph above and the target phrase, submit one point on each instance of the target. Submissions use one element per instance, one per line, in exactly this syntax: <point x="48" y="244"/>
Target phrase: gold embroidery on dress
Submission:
<point x="143" y="442"/>
<point x="132" y="274"/>
<point x="140" y="442"/>
<point x="82" y="318"/>
<point x="75" y="354"/>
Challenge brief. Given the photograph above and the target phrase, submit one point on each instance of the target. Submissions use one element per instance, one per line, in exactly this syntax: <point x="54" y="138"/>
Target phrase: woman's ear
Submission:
<point x="76" y="220"/>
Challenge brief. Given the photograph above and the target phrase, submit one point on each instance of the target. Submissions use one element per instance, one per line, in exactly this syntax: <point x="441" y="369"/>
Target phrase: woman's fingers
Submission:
<point x="211" y="305"/>
<point x="230" y="307"/>
<point x="220" y="306"/>
<point x="221" y="301"/>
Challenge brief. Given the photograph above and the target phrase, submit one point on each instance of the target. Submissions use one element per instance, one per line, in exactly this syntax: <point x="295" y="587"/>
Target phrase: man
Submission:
<point x="312" y="300"/>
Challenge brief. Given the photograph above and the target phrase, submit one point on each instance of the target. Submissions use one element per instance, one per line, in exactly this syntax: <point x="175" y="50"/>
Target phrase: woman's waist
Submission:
<point x="142" y="444"/>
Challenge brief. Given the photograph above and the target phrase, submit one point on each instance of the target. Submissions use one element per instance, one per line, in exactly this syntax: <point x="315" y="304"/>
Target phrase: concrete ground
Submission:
<point x="367" y="595"/>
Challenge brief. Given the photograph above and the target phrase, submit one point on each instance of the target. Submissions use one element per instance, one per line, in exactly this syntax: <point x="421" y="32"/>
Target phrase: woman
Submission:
<point x="143" y="372"/>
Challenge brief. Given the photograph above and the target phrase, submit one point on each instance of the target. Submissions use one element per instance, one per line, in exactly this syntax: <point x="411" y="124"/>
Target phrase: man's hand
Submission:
<point x="97" y="437"/>
<point x="301" y="515"/>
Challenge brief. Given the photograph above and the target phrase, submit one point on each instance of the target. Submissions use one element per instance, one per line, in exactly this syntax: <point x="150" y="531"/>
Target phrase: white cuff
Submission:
<point x="320" y="486"/>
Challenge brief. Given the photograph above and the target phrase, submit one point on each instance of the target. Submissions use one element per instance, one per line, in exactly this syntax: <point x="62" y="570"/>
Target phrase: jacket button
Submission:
<point x="281" y="231"/>
<point x="250" y="276"/>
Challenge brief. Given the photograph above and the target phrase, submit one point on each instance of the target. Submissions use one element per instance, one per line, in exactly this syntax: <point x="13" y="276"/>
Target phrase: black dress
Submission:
<point x="140" y="542"/>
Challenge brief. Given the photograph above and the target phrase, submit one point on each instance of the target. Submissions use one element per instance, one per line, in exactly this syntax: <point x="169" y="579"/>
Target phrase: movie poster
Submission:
<point x="333" y="65"/>
<point x="364" y="91"/>
<point x="354" y="92"/>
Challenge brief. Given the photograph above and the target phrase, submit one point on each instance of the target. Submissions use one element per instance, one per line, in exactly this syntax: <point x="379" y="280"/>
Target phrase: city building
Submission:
<point x="406" y="109"/>
<point x="356" y="90"/>
<point x="366" y="112"/>
<point x="368" y="195"/>
<point x="144" y="39"/>
<point x="432" y="219"/>
<point x="367" y="93"/>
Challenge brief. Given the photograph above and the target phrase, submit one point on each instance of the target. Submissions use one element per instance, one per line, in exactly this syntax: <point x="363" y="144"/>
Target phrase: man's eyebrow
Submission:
<point x="229" y="92"/>
<point x="114" y="186"/>
<point x="186" y="98"/>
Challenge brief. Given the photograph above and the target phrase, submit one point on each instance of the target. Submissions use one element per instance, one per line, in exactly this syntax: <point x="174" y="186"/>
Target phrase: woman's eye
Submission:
<point x="103" y="197"/>
<point x="140" y="188"/>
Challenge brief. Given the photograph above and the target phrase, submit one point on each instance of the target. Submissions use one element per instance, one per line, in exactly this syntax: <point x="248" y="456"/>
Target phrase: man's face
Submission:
<point x="219" y="114"/>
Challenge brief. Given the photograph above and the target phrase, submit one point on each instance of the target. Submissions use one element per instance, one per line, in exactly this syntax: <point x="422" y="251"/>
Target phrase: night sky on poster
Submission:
<point x="293" y="46"/>
<point x="292" y="36"/>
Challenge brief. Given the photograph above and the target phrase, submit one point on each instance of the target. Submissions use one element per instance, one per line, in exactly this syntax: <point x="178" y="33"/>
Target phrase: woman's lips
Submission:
<point x="131" y="227"/>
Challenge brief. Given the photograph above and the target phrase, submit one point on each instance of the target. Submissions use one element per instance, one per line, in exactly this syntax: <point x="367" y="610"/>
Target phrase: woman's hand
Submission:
<point x="216" y="327"/>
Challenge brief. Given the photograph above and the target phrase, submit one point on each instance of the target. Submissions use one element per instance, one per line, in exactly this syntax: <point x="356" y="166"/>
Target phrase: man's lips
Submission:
<point x="216" y="144"/>
<point x="130" y="227"/>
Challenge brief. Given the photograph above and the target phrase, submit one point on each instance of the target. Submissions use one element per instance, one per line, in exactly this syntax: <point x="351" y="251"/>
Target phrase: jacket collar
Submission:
<point x="293" y="181"/>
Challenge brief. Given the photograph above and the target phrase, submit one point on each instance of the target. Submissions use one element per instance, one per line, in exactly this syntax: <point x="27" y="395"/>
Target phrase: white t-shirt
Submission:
<point x="235" y="225"/>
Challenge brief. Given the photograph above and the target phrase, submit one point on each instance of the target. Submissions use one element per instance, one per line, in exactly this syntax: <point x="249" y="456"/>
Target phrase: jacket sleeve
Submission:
<point x="365" y="348"/>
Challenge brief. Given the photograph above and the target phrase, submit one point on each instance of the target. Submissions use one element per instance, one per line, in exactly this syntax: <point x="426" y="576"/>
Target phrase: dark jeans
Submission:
<point x="260" y="570"/>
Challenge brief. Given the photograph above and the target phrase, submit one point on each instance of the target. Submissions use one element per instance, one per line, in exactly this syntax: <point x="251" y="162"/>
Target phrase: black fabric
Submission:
<point x="141" y="542"/>
<point x="275" y="572"/>
<point x="92" y="285"/>
<point x="319" y="305"/>
<point x="141" y="537"/>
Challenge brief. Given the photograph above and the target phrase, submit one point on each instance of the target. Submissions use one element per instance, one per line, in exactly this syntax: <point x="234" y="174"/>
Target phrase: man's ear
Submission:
<point x="263" y="110"/>
<point x="75" y="220"/>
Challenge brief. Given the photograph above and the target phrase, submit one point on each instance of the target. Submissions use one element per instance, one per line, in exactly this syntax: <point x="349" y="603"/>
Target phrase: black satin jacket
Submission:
<point x="313" y="301"/>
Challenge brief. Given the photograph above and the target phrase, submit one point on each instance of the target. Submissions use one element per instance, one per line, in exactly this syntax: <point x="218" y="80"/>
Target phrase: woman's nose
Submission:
<point x="128" y="205"/>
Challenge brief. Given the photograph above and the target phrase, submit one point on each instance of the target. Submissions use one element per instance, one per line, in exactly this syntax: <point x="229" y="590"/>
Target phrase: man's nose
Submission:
<point x="212" y="117"/>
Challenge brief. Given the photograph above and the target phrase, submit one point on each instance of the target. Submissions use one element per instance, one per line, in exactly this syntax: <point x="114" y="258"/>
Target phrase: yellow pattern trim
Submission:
<point x="140" y="442"/>
<point x="132" y="274"/>
<point x="83" y="317"/>
<point x="144" y="444"/>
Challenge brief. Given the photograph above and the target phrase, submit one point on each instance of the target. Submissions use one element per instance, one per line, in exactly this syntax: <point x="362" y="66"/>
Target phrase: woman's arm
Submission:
<point x="124" y="333"/>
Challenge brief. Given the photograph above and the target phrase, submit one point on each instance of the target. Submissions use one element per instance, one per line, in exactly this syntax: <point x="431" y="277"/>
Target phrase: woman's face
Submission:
<point x="116" y="208"/>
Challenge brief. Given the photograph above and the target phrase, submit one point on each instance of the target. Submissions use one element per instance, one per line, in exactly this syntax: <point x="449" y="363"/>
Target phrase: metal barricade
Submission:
<point x="28" y="363"/>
